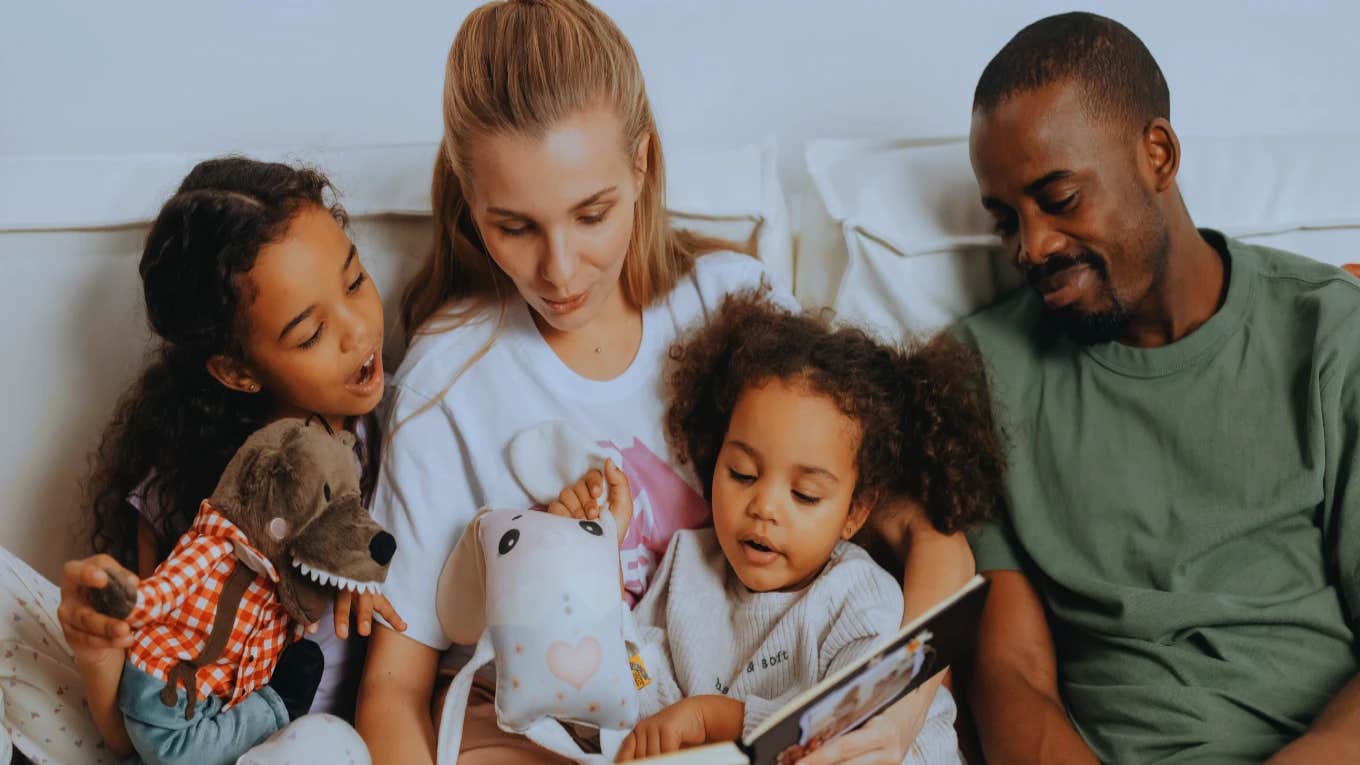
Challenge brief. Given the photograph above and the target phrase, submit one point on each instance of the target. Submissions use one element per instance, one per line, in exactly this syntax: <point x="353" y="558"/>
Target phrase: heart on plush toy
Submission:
<point x="574" y="665"/>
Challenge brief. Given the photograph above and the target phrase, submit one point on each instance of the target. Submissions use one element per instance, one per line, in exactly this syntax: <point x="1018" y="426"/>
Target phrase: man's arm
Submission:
<point x="1334" y="735"/>
<point x="1014" y="689"/>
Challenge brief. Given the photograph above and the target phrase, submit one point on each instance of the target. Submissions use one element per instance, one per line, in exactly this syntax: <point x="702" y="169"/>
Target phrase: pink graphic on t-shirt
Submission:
<point x="663" y="503"/>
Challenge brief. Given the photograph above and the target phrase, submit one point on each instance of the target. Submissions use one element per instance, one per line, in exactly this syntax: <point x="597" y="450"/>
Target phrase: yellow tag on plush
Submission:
<point x="640" y="677"/>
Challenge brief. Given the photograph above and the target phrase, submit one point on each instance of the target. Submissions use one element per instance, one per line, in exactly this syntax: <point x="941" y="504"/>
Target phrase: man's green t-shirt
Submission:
<point x="1189" y="514"/>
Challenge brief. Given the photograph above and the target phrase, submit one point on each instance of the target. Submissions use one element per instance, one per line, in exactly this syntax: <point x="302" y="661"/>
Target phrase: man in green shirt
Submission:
<point x="1176" y="576"/>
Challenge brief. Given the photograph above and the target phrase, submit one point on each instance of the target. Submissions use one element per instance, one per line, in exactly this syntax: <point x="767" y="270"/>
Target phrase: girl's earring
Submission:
<point x="254" y="387"/>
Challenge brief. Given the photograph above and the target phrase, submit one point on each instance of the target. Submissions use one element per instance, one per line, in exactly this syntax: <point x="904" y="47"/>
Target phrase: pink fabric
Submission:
<point x="663" y="503"/>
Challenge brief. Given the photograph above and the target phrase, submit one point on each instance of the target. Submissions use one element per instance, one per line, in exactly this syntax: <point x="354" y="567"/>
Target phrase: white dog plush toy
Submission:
<point x="540" y="594"/>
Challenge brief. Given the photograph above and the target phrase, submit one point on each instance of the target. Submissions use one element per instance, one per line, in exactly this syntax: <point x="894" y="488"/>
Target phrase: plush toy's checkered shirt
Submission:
<point x="176" y="606"/>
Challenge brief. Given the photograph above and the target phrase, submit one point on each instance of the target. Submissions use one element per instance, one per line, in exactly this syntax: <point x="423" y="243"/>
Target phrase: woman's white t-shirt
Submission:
<point x="444" y="464"/>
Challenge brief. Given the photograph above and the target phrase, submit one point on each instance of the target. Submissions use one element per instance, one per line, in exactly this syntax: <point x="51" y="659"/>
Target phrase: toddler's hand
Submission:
<point x="677" y="726"/>
<point x="581" y="500"/>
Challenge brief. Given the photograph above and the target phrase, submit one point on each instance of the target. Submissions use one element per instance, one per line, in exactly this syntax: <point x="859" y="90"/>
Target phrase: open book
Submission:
<point x="844" y="701"/>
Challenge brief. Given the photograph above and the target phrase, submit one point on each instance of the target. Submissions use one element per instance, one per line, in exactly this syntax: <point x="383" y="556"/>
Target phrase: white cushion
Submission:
<point x="734" y="194"/>
<point x="728" y="192"/>
<point x="915" y="252"/>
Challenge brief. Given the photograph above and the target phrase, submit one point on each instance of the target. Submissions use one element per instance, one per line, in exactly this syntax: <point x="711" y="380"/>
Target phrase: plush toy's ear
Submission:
<point x="346" y="438"/>
<point x="550" y="456"/>
<point x="460" y="595"/>
<point x="262" y="489"/>
<point x="254" y="562"/>
<point x="246" y="477"/>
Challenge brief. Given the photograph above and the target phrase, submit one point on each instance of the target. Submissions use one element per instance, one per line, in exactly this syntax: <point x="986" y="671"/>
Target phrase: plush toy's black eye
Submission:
<point x="508" y="541"/>
<point x="326" y="490"/>
<point x="593" y="528"/>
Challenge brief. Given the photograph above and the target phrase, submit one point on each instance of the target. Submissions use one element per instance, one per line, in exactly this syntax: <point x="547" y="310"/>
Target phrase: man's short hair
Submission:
<point x="1118" y="76"/>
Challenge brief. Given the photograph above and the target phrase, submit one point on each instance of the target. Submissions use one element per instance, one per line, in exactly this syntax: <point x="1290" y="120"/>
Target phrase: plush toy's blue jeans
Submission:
<point x="162" y="736"/>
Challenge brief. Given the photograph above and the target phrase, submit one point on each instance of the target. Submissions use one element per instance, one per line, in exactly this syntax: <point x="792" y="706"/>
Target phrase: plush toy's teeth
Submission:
<point x="335" y="580"/>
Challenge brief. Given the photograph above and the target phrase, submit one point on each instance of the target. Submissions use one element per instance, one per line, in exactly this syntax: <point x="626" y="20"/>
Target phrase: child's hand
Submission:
<point x="582" y="499"/>
<point x="677" y="726"/>
<point x="694" y="721"/>
<point x="368" y="603"/>
<point x="93" y="637"/>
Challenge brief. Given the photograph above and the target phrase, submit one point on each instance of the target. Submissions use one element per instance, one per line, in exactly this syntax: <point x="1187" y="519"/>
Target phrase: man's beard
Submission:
<point x="1086" y="327"/>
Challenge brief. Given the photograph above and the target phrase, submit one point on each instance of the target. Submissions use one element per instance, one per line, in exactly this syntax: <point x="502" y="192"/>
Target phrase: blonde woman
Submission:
<point x="553" y="291"/>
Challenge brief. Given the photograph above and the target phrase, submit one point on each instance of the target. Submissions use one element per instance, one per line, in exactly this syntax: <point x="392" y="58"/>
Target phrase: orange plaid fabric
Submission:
<point x="176" y="606"/>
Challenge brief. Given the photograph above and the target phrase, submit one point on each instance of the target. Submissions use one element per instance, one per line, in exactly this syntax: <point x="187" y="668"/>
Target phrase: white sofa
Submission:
<point x="889" y="234"/>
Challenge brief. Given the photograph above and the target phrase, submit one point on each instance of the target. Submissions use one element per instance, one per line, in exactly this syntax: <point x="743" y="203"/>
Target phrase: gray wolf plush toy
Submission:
<point x="265" y="554"/>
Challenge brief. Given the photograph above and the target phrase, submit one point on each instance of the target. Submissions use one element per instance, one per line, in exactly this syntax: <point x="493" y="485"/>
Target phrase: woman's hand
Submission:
<point x="581" y="500"/>
<point x="93" y="637"/>
<point x="878" y="742"/>
<point x="368" y="602"/>
<point x="690" y="722"/>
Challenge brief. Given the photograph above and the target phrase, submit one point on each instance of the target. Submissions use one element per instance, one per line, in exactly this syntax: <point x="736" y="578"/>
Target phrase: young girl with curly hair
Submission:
<point x="799" y="430"/>
<point x="262" y="309"/>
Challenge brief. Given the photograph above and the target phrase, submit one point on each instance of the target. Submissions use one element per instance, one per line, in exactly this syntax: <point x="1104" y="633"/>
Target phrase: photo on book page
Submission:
<point x="942" y="636"/>
<point x="847" y="707"/>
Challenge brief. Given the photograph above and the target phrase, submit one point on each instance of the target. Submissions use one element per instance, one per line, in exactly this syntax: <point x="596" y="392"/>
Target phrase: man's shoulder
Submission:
<point x="1014" y="313"/>
<point x="1303" y="289"/>
<point x="1007" y="333"/>
<point x="1299" y="275"/>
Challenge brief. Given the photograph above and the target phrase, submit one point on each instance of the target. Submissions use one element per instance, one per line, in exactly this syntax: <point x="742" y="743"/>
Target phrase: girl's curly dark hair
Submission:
<point x="926" y="426"/>
<point x="176" y="427"/>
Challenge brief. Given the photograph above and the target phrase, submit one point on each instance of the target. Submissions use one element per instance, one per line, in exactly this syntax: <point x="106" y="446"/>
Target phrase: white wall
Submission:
<point x="162" y="76"/>
<point x="91" y="78"/>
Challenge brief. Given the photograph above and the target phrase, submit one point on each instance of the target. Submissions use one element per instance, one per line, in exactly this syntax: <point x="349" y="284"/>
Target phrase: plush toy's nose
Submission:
<point x="382" y="546"/>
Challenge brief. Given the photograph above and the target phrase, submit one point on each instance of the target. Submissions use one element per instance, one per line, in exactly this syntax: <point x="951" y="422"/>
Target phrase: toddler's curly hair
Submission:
<point x="926" y="427"/>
